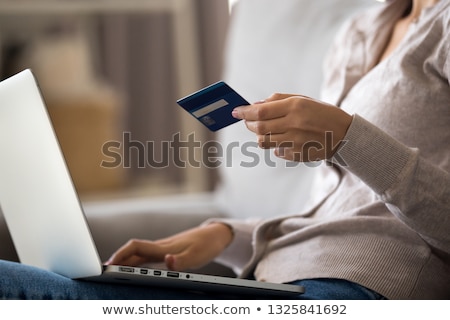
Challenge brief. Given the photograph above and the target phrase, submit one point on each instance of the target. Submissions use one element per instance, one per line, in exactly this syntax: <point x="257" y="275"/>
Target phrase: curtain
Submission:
<point x="136" y="55"/>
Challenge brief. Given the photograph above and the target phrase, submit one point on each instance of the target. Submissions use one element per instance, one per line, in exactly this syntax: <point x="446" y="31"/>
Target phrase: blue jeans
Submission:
<point x="19" y="281"/>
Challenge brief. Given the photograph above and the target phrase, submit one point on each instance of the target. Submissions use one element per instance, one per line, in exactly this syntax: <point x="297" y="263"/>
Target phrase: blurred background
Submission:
<point x="109" y="67"/>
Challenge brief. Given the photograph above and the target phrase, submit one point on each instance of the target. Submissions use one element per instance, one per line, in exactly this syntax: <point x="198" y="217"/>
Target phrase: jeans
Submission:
<point x="18" y="281"/>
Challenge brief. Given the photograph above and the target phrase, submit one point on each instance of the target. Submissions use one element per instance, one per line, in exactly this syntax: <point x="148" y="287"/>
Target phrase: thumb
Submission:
<point x="184" y="260"/>
<point x="176" y="262"/>
<point x="169" y="260"/>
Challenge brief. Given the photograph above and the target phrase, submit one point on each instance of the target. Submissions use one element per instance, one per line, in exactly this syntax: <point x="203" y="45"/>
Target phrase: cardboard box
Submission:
<point x="83" y="124"/>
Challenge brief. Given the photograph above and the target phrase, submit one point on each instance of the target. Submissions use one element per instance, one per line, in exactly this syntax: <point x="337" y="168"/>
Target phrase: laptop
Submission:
<point x="44" y="214"/>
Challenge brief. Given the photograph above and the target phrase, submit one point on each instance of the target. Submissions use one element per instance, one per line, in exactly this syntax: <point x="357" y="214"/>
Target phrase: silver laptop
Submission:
<point x="43" y="212"/>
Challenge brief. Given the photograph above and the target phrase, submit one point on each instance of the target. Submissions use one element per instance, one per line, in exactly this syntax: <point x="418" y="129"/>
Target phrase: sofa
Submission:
<point x="272" y="46"/>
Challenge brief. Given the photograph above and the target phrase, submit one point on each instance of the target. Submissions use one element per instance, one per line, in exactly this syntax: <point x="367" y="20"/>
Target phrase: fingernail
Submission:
<point x="170" y="261"/>
<point x="236" y="114"/>
<point x="279" y="152"/>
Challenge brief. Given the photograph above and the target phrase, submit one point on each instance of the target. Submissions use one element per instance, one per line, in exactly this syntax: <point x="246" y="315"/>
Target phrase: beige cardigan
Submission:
<point x="381" y="216"/>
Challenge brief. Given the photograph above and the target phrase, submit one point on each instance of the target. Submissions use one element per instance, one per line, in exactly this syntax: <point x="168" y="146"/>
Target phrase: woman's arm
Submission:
<point x="415" y="191"/>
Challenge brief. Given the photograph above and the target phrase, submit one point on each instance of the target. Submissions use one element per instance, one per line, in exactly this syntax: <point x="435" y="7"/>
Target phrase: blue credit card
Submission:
<point x="213" y="105"/>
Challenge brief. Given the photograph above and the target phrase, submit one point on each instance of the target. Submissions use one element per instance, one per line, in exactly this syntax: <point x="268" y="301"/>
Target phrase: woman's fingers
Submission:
<point x="189" y="249"/>
<point x="136" y="252"/>
<point x="301" y="128"/>
<point x="259" y="111"/>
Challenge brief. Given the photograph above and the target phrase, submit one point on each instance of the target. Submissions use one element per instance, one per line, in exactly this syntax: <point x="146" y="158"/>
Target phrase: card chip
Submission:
<point x="208" y="121"/>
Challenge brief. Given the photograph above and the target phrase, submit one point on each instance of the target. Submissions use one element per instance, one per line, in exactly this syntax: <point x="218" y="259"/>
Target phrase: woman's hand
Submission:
<point x="190" y="249"/>
<point x="298" y="127"/>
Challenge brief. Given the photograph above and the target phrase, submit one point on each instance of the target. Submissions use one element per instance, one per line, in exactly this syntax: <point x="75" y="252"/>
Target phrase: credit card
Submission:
<point x="213" y="105"/>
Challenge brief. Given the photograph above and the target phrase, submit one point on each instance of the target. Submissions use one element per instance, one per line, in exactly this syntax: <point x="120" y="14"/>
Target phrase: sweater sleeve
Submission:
<point x="416" y="191"/>
<point x="240" y="251"/>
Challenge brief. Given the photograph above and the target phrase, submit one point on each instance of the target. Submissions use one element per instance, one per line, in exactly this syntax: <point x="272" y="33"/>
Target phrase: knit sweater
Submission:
<point x="380" y="212"/>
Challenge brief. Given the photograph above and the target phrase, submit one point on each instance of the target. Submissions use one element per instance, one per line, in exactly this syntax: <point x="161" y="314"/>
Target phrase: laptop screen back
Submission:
<point x="37" y="195"/>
